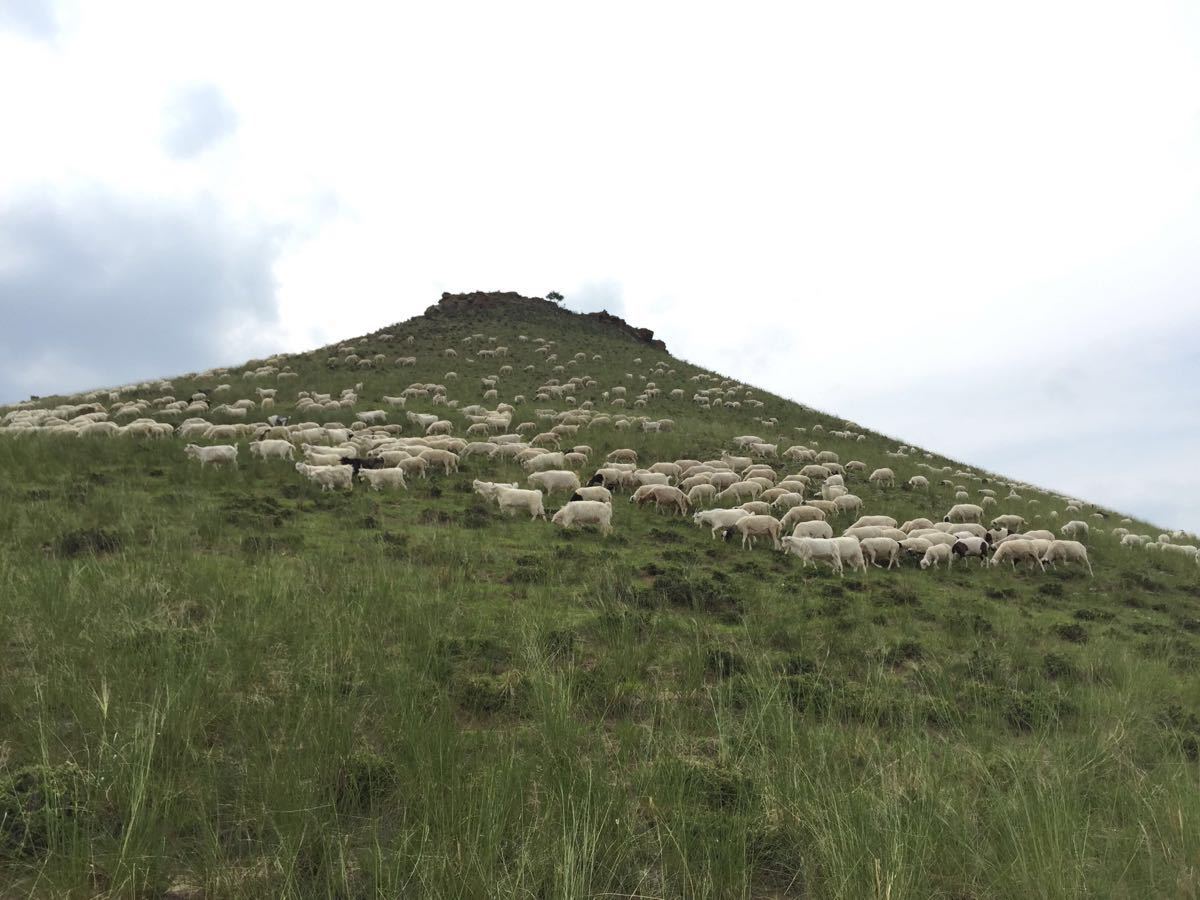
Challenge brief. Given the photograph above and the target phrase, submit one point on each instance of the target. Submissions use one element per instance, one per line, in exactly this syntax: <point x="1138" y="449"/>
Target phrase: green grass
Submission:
<point x="229" y="681"/>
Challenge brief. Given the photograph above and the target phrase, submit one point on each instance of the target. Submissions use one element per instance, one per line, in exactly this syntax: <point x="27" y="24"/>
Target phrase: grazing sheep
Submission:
<point x="877" y="548"/>
<point x="328" y="477"/>
<point x="489" y="489"/>
<point x="413" y="465"/>
<point x="972" y="546"/>
<point x="555" y="480"/>
<point x="702" y="493"/>
<point x="914" y="524"/>
<point x="662" y="495"/>
<point x="719" y="519"/>
<point x="814" y="550"/>
<point x="919" y="482"/>
<point x="594" y="492"/>
<point x="444" y="458"/>
<point x="1067" y="551"/>
<point x="381" y="478"/>
<point x="964" y="512"/>
<point x="847" y="503"/>
<point x="510" y="499"/>
<point x="851" y="552"/>
<point x="755" y="526"/>
<point x="272" y="449"/>
<point x="218" y="455"/>
<point x="803" y="514"/>
<point x="915" y="546"/>
<point x="812" y="529"/>
<point x="883" y="478"/>
<point x="1011" y="522"/>
<point x="585" y="512"/>
<point x="543" y="462"/>
<point x="886" y="521"/>
<point x="936" y="555"/>
<point x="1075" y="530"/>
<point x="1017" y="550"/>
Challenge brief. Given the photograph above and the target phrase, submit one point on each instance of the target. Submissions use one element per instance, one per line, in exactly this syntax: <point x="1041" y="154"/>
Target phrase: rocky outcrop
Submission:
<point x="479" y="301"/>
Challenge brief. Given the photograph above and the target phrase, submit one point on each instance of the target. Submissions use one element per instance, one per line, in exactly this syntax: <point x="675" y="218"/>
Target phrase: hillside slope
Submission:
<point x="229" y="683"/>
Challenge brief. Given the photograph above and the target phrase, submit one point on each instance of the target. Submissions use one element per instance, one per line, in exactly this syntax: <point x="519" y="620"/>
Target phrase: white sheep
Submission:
<point x="719" y="519"/>
<point x="850" y="549"/>
<point x="381" y="478"/>
<point x="1067" y="551"/>
<point x="218" y="455"/>
<point x="876" y="548"/>
<point x="595" y="492"/>
<point x="555" y="480"/>
<point x="814" y="550"/>
<point x="883" y="478"/>
<point x="510" y="499"/>
<point x="936" y="555"/>
<point x="813" y="529"/>
<point x="328" y="477"/>
<point x="1017" y="550"/>
<point x="964" y="512"/>
<point x="1075" y="530"/>
<point x="886" y="521"/>
<point x="585" y="512"/>
<point x="272" y="449"/>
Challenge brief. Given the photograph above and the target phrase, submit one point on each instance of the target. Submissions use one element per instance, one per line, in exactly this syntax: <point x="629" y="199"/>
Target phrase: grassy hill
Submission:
<point x="229" y="684"/>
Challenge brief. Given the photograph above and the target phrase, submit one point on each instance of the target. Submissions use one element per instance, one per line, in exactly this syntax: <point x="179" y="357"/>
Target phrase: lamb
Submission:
<point x="412" y="465"/>
<point x="381" y="478"/>
<point x="272" y="449"/>
<point x="555" y="480"/>
<point x="812" y="529"/>
<point x="964" y="512"/>
<point x="883" y="478"/>
<point x="218" y="455"/>
<point x="1067" y="551"/>
<point x="877" y="548"/>
<point x="719" y="519"/>
<point x="936" y="555"/>
<point x="814" y="550"/>
<point x="918" y="482"/>
<point x="972" y="546"/>
<point x="1017" y="550"/>
<point x="1075" y="530"/>
<point x="585" y="512"/>
<point x="329" y="477"/>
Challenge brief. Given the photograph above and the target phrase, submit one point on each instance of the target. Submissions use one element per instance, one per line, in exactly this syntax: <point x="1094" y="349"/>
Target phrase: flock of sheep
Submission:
<point x="751" y="489"/>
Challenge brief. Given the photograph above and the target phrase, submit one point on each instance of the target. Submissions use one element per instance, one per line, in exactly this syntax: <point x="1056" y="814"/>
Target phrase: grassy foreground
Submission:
<point x="226" y="684"/>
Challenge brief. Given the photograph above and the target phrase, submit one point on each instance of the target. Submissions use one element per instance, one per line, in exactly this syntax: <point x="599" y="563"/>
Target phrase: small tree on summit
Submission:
<point x="555" y="296"/>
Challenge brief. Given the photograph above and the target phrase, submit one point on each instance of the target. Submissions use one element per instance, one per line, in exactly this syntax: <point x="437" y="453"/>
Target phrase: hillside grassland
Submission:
<point x="226" y="683"/>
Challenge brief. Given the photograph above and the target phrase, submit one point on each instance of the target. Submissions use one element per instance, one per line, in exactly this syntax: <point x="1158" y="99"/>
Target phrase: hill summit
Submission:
<point x="333" y="623"/>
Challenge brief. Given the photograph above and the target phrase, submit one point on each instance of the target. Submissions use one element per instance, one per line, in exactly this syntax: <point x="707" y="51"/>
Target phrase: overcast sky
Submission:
<point x="972" y="226"/>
